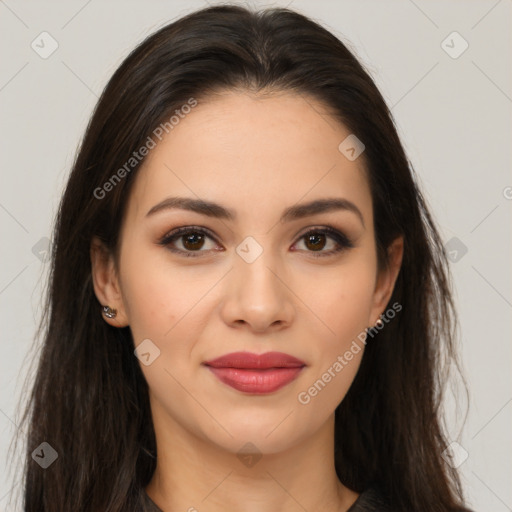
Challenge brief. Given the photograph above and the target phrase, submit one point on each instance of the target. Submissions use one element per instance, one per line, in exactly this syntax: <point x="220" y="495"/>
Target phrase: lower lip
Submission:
<point x="256" y="381"/>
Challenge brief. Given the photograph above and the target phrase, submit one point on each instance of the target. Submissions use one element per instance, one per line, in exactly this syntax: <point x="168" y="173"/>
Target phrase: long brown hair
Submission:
<point x="90" y="400"/>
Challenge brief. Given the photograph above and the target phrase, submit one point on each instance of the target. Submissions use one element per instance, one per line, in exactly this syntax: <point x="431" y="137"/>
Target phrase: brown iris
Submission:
<point x="315" y="241"/>
<point x="193" y="241"/>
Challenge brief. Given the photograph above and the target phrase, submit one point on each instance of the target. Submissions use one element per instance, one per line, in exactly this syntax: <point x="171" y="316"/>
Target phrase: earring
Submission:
<point x="109" y="312"/>
<point x="379" y="323"/>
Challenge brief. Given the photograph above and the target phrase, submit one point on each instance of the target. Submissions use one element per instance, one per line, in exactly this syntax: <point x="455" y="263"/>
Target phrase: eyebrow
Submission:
<point x="215" y="210"/>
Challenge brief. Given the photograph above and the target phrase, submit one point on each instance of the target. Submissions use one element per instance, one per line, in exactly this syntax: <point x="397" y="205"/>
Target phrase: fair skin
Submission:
<point x="255" y="156"/>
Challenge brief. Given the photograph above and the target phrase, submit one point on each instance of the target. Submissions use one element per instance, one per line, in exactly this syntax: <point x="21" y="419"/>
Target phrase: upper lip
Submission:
<point x="256" y="361"/>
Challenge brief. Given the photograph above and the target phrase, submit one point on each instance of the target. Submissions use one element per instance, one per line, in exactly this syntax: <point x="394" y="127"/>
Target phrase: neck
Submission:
<point x="193" y="474"/>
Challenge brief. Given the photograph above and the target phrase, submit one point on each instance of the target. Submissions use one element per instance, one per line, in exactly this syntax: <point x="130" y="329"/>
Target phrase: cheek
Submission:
<point x="343" y="299"/>
<point x="157" y="298"/>
<point x="340" y="305"/>
<point x="148" y="304"/>
<point x="343" y="304"/>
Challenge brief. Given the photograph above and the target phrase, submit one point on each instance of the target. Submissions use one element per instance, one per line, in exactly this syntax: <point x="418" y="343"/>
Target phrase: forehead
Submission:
<point x="252" y="153"/>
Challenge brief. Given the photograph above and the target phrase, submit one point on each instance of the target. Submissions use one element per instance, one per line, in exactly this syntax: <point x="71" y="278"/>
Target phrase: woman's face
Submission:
<point x="245" y="278"/>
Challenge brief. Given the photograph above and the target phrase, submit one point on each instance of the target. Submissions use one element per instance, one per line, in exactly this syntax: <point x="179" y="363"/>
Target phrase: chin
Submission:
<point x="262" y="437"/>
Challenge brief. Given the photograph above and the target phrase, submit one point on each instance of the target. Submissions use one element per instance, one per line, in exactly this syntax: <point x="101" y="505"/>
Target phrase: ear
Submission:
<point x="386" y="279"/>
<point x="106" y="283"/>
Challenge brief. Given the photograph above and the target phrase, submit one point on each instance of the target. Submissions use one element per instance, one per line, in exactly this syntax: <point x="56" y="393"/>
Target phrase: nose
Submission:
<point x="257" y="295"/>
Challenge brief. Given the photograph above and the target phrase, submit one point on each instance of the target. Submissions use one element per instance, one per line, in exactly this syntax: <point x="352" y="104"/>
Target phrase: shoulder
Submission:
<point x="371" y="500"/>
<point x="145" y="503"/>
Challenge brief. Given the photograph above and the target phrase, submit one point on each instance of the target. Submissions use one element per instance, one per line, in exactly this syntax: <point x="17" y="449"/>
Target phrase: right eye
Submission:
<point x="191" y="238"/>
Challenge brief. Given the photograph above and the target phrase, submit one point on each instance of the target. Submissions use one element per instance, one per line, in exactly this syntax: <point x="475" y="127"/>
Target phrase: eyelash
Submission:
<point x="341" y="239"/>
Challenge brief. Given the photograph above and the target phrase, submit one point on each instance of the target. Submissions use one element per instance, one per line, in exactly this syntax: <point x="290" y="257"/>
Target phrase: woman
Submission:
<point x="249" y="300"/>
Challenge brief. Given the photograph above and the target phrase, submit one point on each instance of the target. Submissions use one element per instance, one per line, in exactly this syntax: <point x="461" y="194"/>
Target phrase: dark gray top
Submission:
<point x="368" y="501"/>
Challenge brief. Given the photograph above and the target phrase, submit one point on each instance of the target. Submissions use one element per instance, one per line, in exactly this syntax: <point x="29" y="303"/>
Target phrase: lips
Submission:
<point x="256" y="373"/>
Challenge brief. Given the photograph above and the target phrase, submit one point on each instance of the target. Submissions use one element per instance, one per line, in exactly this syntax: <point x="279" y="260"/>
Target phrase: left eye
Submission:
<point x="316" y="240"/>
<point x="192" y="241"/>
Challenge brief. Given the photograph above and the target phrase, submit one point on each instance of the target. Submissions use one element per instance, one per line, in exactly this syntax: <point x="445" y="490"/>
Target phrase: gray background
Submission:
<point x="453" y="115"/>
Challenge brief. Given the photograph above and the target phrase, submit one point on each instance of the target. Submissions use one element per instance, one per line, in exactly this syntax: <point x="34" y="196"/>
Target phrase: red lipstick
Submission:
<point x="256" y="373"/>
